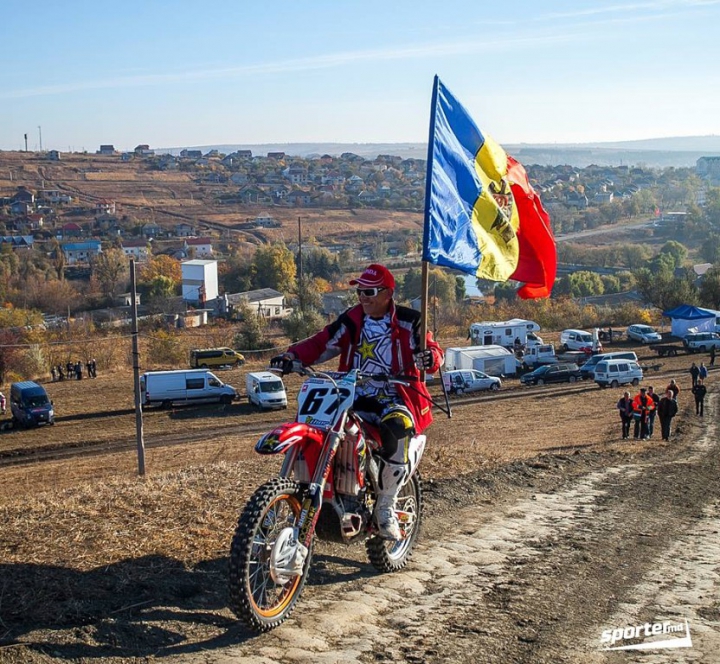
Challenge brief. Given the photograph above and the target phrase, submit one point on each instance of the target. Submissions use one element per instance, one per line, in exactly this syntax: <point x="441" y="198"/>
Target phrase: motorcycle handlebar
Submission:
<point x="299" y="368"/>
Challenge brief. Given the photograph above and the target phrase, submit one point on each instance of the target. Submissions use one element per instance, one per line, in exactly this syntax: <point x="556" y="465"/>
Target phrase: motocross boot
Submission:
<point x="391" y="477"/>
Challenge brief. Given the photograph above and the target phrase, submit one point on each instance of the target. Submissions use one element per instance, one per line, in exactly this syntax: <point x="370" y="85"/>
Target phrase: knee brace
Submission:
<point x="396" y="429"/>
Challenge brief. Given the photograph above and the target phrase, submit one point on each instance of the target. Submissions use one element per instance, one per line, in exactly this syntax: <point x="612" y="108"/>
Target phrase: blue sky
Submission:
<point x="180" y="74"/>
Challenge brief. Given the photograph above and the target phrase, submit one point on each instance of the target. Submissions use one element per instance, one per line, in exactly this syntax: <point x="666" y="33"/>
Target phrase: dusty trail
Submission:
<point x="536" y="581"/>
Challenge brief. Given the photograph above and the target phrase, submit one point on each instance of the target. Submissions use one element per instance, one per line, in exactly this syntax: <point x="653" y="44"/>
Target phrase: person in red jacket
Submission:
<point x="642" y="406"/>
<point x="379" y="337"/>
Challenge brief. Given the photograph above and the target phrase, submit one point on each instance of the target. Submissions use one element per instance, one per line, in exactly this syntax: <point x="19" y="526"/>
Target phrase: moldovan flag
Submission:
<point x="481" y="214"/>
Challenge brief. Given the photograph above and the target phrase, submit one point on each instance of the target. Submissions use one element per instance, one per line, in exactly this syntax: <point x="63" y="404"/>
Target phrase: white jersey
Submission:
<point x="374" y="355"/>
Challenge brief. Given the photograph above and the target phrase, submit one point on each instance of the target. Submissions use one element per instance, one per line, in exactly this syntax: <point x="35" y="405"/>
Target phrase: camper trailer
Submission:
<point x="509" y="333"/>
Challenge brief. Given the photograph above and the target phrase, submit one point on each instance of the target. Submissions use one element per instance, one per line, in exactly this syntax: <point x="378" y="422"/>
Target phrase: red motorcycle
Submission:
<point x="326" y="489"/>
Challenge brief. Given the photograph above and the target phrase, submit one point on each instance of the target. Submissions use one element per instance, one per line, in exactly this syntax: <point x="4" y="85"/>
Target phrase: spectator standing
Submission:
<point x="642" y="405"/>
<point x="94" y="367"/>
<point x="3" y="403"/>
<point x="703" y="371"/>
<point x="625" y="406"/>
<point x="651" y="415"/>
<point x="88" y="366"/>
<point x="53" y="373"/>
<point x="712" y="356"/>
<point x="61" y="373"/>
<point x="667" y="409"/>
<point x="699" y="391"/>
<point x="673" y="387"/>
<point x="78" y="370"/>
<point x="694" y="373"/>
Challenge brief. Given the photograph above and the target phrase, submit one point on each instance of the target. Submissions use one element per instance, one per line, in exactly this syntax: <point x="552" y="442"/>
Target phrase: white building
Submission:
<point x="199" y="281"/>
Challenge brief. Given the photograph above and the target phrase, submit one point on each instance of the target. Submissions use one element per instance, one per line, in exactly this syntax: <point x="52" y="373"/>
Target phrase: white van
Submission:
<point x="576" y="340"/>
<point x="165" y="388"/>
<point x="614" y="373"/>
<point x="265" y="390"/>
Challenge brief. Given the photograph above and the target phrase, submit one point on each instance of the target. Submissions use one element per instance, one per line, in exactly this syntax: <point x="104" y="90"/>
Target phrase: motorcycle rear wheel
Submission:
<point x="387" y="555"/>
<point x="261" y="599"/>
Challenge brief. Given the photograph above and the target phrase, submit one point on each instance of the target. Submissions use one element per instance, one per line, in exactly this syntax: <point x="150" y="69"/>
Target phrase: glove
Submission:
<point x="283" y="362"/>
<point x="424" y="360"/>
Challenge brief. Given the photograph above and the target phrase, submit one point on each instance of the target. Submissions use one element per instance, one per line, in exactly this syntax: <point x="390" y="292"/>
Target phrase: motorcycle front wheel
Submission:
<point x="262" y="593"/>
<point x="390" y="556"/>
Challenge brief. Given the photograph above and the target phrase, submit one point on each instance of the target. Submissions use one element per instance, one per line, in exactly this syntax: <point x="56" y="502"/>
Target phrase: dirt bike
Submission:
<point x="326" y="489"/>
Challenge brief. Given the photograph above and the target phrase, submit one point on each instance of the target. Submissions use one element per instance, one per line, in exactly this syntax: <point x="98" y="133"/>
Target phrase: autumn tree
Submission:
<point x="441" y="285"/>
<point x="160" y="266"/>
<point x="274" y="267"/>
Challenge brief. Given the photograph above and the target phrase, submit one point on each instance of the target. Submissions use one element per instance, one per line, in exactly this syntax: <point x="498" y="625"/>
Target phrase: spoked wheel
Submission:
<point x="267" y="575"/>
<point x="390" y="556"/>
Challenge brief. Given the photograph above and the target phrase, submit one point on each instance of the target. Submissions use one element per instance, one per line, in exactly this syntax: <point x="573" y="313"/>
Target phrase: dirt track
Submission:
<point x="549" y="554"/>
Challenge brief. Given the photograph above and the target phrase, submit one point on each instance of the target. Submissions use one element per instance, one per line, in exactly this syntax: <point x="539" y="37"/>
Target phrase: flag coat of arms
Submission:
<point x="482" y="216"/>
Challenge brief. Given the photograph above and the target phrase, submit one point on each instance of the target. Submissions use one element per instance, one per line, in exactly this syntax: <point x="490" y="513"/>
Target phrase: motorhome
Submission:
<point x="509" y="333"/>
<point x="165" y="388"/>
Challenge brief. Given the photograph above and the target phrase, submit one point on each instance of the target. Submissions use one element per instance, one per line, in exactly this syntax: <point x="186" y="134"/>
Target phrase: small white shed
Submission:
<point x="493" y="360"/>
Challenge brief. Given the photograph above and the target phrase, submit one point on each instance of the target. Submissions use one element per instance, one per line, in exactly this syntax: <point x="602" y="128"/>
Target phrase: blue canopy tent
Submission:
<point x="686" y="318"/>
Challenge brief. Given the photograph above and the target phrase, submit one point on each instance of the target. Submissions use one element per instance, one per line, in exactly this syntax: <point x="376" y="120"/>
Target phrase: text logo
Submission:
<point x="612" y="636"/>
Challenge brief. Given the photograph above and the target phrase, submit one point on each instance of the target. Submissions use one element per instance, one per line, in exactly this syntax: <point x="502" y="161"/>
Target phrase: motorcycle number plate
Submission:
<point x="320" y="402"/>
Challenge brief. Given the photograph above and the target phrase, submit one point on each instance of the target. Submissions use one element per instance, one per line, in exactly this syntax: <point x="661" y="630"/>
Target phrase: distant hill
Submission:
<point x="678" y="151"/>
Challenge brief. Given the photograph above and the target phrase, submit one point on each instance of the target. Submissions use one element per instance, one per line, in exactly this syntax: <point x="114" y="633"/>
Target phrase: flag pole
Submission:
<point x="425" y="273"/>
<point x="425" y="276"/>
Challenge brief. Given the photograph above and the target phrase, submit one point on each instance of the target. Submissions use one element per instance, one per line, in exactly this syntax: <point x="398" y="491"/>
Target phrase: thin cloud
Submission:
<point x="659" y="5"/>
<point x="331" y="60"/>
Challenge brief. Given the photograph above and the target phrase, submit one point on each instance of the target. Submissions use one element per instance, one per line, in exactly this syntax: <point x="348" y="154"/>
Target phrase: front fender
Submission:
<point x="282" y="438"/>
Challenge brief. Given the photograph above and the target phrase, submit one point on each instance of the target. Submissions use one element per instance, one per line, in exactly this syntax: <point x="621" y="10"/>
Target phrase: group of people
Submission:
<point x="74" y="370"/>
<point x="647" y="405"/>
<point x="644" y="408"/>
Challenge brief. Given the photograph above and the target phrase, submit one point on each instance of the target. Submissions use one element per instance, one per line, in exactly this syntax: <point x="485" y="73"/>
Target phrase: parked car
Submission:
<point x="702" y="341"/>
<point x="613" y="373"/>
<point x="644" y="334"/>
<point x="576" y="340"/>
<point x="459" y="382"/>
<point x="552" y="373"/>
<point x="587" y="370"/>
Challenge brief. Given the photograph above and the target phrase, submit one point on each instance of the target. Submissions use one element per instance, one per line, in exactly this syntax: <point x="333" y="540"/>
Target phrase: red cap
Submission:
<point x="375" y="276"/>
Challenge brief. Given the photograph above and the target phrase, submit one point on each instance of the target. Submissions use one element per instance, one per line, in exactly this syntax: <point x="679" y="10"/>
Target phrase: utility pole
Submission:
<point x="25" y="142"/>
<point x="136" y="374"/>
<point x="300" y="250"/>
<point x="300" y="269"/>
<point x="40" y="134"/>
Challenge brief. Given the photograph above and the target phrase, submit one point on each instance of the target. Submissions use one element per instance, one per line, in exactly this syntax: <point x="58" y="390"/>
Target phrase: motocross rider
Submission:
<point x="378" y="336"/>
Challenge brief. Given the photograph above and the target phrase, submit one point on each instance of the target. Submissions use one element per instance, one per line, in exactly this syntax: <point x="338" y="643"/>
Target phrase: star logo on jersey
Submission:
<point x="367" y="350"/>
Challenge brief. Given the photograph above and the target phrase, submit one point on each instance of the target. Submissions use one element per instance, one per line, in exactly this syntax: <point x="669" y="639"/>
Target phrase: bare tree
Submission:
<point x="110" y="268"/>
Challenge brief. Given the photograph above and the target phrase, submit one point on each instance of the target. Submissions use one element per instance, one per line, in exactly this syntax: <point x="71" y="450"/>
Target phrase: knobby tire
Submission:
<point x="390" y="556"/>
<point x="259" y="601"/>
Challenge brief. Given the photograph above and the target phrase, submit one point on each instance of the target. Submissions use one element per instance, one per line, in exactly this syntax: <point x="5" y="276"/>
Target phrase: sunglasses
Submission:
<point x="369" y="292"/>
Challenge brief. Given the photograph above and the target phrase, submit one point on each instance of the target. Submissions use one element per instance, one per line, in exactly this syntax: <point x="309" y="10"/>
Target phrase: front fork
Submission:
<point x="299" y="537"/>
